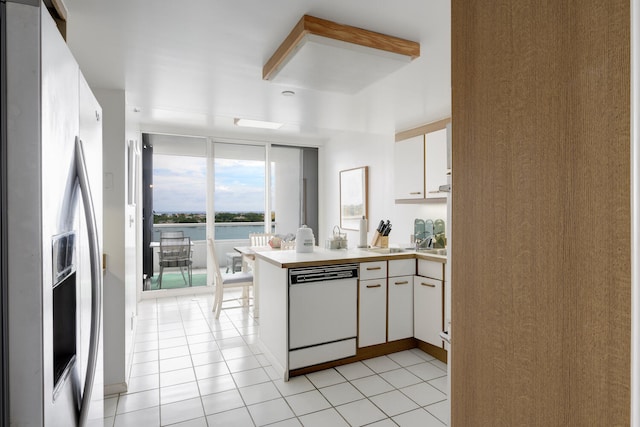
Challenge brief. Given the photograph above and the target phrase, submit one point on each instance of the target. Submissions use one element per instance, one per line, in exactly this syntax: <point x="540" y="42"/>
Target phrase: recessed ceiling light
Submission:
<point x="257" y="124"/>
<point x="288" y="93"/>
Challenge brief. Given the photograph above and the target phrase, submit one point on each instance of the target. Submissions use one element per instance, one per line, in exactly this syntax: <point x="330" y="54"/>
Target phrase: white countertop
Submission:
<point x="321" y="256"/>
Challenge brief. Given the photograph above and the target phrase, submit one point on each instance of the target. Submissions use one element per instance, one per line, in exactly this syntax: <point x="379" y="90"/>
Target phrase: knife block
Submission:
<point x="379" y="241"/>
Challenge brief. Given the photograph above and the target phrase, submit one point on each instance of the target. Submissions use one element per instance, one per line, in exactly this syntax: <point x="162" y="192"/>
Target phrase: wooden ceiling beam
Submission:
<point x="333" y="30"/>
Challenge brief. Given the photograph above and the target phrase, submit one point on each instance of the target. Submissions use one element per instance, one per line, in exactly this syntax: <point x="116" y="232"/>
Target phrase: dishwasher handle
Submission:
<point x="322" y="274"/>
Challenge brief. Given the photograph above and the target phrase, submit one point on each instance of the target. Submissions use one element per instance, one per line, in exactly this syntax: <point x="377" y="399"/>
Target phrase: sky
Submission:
<point x="179" y="184"/>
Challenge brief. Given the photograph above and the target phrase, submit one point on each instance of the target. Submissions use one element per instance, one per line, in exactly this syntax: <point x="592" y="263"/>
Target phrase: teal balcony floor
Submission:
<point x="174" y="280"/>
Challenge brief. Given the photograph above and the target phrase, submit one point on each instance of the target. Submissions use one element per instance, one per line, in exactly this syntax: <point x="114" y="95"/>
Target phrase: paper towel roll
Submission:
<point x="363" y="233"/>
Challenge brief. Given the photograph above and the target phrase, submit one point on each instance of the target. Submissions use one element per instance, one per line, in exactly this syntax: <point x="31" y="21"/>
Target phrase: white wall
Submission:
<point x="353" y="150"/>
<point x="119" y="243"/>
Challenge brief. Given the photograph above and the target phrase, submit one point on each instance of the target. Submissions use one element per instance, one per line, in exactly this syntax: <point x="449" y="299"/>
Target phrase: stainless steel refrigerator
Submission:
<point x="52" y="234"/>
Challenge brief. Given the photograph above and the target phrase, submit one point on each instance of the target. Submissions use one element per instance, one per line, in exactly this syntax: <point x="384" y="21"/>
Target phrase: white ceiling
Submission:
<point x="192" y="66"/>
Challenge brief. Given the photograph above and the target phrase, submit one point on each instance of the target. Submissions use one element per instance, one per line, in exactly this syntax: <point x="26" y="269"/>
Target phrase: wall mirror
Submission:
<point x="353" y="197"/>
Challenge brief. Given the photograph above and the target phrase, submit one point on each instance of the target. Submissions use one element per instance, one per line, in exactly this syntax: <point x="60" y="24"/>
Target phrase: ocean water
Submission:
<point x="227" y="231"/>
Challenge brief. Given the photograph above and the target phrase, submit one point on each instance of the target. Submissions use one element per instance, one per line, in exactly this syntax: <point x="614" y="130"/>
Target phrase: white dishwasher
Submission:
<point x="322" y="314"/>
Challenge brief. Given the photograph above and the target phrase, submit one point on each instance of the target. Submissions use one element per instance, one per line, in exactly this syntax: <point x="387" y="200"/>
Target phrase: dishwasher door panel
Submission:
<point x="322" y="312"/>
<point x="310" y="356"/>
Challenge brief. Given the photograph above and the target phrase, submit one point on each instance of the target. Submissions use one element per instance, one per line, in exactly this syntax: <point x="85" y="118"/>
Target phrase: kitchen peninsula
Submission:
<point x="332" y="307"/>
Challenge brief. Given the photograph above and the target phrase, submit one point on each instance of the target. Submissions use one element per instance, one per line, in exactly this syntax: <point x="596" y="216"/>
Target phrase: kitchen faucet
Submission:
<point x="423" y="243"/>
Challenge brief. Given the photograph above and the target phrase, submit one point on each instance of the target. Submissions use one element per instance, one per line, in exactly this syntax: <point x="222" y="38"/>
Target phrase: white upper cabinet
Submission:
<point x="420" y="163"/>
<point x="409" y="168"/>
<point x="435" y="162"/>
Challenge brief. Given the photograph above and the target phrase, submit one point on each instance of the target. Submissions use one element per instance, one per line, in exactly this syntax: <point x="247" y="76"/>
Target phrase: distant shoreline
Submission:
<point x="202" y="213"/>
<point x="201" y="217"/>
<point x="223" y="231"/>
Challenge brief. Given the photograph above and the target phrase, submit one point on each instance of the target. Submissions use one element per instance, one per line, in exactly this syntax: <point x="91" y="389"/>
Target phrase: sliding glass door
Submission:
<point x="174" y="204"/>
<point x="243" y="174"/>
<point x="294" y="188"/>
<point x="239" y="191"/>
<point x="202" y="189"/>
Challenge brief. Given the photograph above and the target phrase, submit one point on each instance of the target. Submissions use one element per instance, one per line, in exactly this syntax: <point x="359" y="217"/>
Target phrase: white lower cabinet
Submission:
<point x="427" y="309"/>
<point x="372" y="314"/>
<point x="394" y="303"/>
<point x="400" y="307"/>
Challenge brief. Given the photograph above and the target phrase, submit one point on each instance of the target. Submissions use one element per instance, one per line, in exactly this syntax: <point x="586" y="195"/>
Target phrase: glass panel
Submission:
<point x="179" y="193"/>
<point x="179" y="196"/>
<point x="239" y="194"/>
<point x="294" y="188"/>
<point x="286" y="188"/>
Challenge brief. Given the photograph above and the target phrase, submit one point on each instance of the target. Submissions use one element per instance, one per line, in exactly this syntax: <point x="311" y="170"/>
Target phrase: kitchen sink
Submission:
<point x="433" y="251"/>
<point x="401" y="250"/>
<point x="387" y="250"/>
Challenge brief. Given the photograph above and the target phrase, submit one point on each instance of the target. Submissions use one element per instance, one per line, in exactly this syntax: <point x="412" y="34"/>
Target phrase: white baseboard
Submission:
<point x="282" y="372"/>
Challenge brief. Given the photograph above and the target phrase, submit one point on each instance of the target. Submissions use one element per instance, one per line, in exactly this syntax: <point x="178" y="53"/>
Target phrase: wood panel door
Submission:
<point x="541" y="273"/>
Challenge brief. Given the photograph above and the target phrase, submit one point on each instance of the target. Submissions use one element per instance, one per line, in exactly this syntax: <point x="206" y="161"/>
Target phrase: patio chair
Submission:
<point x="257" y="239"/>
<point x="225" y="281"/>
<point x="175" y="252"/>
<point x="260" y="239"/>
<point x="234" y="262"/>
<point x="171" y="234"/>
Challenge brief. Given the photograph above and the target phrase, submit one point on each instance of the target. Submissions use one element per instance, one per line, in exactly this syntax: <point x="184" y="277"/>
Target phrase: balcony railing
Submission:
<point x="223" y="230"/>
<point x="227" y="235"/>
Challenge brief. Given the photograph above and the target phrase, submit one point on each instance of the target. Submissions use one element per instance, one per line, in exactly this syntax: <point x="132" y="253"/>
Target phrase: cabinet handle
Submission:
<point x="434" y="192"/>
<point x="374" y="286"/>
<point x="374" y="268"/>
<point x="402" y="283"/>
<point x="428" y="284"/>
<point x="415" y="192"/>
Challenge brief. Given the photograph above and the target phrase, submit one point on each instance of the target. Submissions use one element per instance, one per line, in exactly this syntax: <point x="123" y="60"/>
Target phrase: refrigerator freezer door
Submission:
<point x="23" y="214"/>
<point x="42" y="109"/>
<point x="60" y="213"/>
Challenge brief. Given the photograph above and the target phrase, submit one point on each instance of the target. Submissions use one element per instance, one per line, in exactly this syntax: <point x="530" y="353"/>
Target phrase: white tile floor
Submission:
<point x="192" y="370"/>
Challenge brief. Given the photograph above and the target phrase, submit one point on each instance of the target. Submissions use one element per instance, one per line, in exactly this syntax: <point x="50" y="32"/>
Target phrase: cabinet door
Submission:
<point x="409" y="168"/>
<point x="402" y="267"/>
<point x="373" y="270"/>
<point x="400" y="308"/>
<point x="435" y="163"/>
<point x="427" y="309"/>
<point x="372" y="312"/>
<point x="432" y="269"/>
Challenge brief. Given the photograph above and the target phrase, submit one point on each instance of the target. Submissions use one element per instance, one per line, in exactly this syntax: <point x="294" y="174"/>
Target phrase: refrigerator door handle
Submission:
<point x="96" y="280"/>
